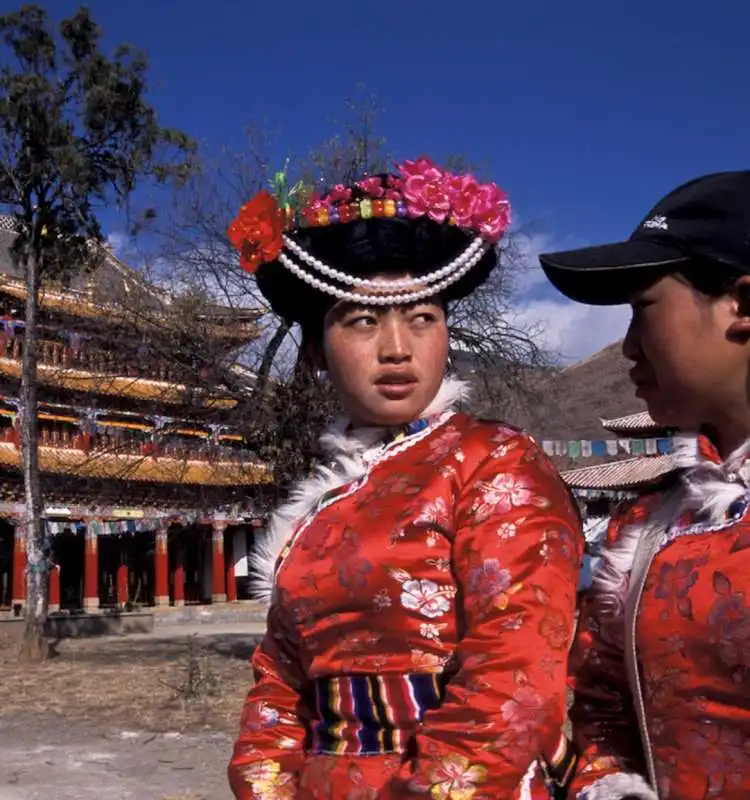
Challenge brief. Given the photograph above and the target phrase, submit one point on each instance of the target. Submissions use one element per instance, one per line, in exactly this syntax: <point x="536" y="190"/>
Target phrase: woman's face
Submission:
<point x="690" y="355"/>
<point x="386" y="363"/>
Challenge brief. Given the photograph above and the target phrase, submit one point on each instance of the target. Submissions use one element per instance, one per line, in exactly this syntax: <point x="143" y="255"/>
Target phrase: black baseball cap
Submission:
<point x="706" y="220"/>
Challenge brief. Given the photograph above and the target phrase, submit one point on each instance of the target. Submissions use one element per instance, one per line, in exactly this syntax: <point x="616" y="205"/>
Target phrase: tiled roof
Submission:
<point x="619" y="474"/>
<point x="127" y="467"/>
<point x="640" y="422"/>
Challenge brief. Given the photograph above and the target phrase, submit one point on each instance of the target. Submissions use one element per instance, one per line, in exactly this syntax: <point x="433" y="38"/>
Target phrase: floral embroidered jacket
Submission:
<point x="418" y="636"/>
<point x="691" y="640"/>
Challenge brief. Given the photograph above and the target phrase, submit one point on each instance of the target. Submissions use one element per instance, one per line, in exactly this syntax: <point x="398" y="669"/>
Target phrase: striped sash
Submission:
<point x="371" y="714"/>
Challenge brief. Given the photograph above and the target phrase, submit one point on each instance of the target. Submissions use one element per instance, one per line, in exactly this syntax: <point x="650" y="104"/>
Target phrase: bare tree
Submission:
<point x="288" y="406"/>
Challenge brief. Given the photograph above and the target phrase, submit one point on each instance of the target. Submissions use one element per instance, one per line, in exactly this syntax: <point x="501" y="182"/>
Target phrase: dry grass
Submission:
<point x="132" y="683"/>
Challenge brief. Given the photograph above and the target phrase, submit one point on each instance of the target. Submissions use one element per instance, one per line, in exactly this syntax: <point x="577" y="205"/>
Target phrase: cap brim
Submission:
<point x="609" y="274"/>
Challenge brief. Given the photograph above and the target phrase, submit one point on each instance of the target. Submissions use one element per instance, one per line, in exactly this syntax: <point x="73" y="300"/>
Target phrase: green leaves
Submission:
<point x="76" y="132"/>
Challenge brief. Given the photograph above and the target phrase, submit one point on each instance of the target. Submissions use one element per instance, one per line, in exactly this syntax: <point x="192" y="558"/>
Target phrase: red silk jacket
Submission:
<point x="692" y="642"/>
<point x="417" y="641"/>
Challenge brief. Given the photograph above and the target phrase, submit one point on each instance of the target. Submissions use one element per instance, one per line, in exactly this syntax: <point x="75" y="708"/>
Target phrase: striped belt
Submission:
<point x="371" y="714"/>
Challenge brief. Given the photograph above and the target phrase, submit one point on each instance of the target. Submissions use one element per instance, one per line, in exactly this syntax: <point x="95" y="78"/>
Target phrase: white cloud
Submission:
<point x="572" y="330"/>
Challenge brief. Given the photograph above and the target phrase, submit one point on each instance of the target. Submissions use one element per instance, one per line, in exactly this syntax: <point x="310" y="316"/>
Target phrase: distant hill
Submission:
<point x="554" y="403"/>
<point x="584" y="393"/>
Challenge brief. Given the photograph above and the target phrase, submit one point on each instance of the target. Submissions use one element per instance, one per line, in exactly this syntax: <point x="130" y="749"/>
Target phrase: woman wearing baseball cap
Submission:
<point x="422" y="583"/>
<point x="663" y="646"/>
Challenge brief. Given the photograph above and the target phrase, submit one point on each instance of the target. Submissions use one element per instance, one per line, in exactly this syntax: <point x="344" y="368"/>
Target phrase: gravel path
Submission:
<point x="44" y="756"/>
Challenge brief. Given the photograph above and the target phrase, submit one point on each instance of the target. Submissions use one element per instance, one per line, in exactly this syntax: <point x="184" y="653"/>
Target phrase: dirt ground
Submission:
<point x="142" y="717"/>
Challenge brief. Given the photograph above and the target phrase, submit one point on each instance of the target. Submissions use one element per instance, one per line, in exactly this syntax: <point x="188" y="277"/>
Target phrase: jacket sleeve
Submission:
<point x="516" y="556"/>
<point x="270" y="748"/>
<point x="605" y="726"/>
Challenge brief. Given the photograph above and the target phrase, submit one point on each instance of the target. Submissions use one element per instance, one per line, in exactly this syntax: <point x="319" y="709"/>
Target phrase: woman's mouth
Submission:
<point x="396" y="386"/>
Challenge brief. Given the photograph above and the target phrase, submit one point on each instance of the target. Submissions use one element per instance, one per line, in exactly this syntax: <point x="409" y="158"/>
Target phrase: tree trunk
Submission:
<point x="269" y="355"/>
<point x="35" y="646"/>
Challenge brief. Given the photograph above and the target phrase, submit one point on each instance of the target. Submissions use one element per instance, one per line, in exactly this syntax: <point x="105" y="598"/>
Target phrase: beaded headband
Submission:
<point x="420" y="189"/>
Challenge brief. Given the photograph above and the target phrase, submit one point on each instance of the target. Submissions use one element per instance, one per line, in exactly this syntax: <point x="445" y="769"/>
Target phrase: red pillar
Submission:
<point x="54" y="588"/>
<point x="218" y="573"/>
<point x="19" y="566"/>
<point x="123" y="573"/>
<point x="91" y="569"/>
<point x="229" y="557"/>
<point x="161" y="569"/>
<point x="179" y="575"/>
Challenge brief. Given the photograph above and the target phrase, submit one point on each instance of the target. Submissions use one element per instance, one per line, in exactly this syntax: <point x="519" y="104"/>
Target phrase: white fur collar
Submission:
<point x="705" y="488"/>
<point x="347" y="452"/>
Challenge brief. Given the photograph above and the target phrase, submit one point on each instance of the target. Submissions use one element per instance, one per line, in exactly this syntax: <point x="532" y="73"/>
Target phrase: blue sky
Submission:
<point x="586" y="112"/>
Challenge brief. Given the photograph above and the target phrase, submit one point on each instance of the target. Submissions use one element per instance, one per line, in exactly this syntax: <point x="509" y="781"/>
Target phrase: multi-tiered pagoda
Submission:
<point x="148" y="491"/>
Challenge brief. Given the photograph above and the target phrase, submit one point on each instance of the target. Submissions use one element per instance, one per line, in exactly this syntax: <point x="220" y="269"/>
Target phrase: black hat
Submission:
<point x="435" y="232"/>
<point x="705" y="219"/>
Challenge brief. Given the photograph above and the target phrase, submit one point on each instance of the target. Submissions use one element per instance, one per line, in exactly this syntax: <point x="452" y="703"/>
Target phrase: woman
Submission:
<point x="422" y="584"/>
<point x="664" y="642"/>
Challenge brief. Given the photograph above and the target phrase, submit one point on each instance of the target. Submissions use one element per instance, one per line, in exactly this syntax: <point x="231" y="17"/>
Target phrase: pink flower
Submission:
<point x="372" y="187"/>
<point x="465" y="196"/>
<point x="339" y="194"/>
<point x="418" y="167"/>
<point x="425" y="190"/>
<point x="314" y="204"/>
<point x="491" y="212"/>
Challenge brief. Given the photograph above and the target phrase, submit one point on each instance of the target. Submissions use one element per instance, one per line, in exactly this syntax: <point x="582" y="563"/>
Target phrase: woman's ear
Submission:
<point x="739" y="328"/>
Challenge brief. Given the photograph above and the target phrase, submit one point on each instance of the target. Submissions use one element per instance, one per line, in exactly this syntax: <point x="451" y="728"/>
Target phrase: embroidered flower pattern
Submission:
<point x="501" y="494"/>
<point x="426" y="597"/>
<point x="452" y="777"/>
<point x="268" y="782"/>
<point x="693" y="639"/>
<point x="387" y="581"/>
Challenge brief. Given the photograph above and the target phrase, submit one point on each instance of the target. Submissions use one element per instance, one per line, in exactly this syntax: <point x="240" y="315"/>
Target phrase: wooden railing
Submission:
<point x="90" y="358"/>
<point x="128" y="442"/>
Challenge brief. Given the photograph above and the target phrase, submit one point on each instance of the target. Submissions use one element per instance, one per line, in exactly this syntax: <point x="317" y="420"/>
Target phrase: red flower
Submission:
<point x="257" y="231"/>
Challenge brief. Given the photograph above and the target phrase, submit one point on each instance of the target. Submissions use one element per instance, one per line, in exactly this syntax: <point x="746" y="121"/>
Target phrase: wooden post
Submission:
<point x="218" y="573"/>
<point x="54" y="588"/>
<point x="18" y="595"/>
<point x="123" y="574"/>
<point x="179" y="574"/>
<point x="229" y="557"/>
<point x="91" y="569"/>
<point x="161" y="569"/>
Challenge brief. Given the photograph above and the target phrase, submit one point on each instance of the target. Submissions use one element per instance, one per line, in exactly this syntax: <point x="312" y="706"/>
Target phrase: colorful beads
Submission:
<point x="366" y="208"/>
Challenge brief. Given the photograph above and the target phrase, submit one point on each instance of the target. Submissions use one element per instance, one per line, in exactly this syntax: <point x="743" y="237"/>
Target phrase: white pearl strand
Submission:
<point x="475" y="245"/>
<point x="386" y="299"/>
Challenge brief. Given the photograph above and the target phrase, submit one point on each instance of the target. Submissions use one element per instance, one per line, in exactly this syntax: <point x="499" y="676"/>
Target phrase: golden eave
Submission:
<point x="140" y="388"/>
<point x="120" y="466"/>
<point x="79" y="304"/>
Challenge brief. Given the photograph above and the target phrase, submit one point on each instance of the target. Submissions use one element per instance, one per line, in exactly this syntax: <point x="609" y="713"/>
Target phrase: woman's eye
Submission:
<point x="640" y="305"/>
<point x="362" y="321"/>
<point x="424" y="318"/>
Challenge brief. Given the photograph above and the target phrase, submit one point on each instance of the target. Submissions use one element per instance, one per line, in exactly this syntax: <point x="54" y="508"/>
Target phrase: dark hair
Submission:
<point x="365" y="248"/>
<point x="710" y="278"/>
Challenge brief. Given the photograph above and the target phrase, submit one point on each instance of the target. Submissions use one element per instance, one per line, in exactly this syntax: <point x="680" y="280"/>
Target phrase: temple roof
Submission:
<point x="128" y="467"/>
<point x="633" y="424"/>
<point x="79" y="380"/>
<point x="97" y="295"/>
<point x="628" y="473"/>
